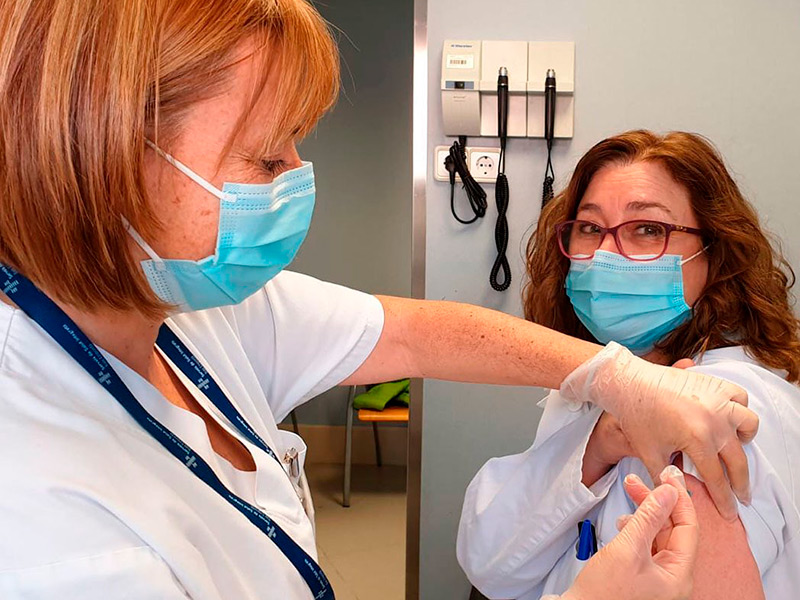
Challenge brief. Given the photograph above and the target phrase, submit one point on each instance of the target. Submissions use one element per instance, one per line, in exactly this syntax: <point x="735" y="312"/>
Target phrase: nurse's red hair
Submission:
<point x="83" y="82"/>
<point x="746" y="300"/>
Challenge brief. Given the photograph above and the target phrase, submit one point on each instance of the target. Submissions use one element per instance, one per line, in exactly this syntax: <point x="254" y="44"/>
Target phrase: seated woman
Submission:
<point x="652" y="245"/>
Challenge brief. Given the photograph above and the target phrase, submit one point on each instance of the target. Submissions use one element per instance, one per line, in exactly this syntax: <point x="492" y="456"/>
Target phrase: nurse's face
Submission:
<point x="189" y="213"/>
<point x="646" y="190"/>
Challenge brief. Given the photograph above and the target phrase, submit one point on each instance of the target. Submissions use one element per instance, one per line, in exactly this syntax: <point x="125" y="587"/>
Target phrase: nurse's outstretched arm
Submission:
<point x="661" y="410"/>
<point x="462" y="342"/>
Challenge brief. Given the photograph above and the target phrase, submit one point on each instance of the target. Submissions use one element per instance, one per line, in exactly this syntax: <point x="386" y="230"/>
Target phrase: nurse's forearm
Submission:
<point x="462" y="342"/>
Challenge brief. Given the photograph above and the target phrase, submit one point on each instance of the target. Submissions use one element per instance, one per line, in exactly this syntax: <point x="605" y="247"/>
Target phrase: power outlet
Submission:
<point x="484" y="164"/>
<point x="440" y="173"/>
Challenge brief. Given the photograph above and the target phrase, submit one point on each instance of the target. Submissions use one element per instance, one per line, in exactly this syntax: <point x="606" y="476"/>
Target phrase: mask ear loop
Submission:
<point x="142" y="244"/>
<point x="191" y="174"/>
<point x="695" y="255"/>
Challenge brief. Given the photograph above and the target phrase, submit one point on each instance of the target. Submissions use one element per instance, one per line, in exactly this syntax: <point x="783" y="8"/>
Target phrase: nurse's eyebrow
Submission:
<point x="644" y="205"/>
<point x="589" y="206"/>
<point x="636" y="205"/>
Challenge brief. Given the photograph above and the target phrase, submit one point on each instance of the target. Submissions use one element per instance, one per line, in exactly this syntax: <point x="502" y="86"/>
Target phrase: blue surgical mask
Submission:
<point x="630" y="302"/>
<point x="261" y="228"/>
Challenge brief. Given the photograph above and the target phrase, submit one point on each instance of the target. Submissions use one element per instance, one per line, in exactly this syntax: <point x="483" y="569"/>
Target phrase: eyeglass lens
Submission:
<point x="580" y="239"/>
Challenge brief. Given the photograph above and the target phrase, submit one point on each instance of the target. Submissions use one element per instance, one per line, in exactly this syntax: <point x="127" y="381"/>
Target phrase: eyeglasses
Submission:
<point x="636" y="240"/>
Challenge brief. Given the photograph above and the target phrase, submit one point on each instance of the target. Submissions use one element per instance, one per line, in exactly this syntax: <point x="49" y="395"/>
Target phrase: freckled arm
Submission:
<point x="462" y="342"/>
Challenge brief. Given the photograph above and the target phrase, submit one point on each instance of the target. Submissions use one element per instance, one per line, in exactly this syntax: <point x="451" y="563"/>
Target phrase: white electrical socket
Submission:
<point x="440" y="173"/>
<point x="483" y="163"/>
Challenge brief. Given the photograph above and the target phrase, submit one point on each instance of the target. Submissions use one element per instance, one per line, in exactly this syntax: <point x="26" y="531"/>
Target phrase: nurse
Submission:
<point x="150" y="341"/>
<point x="651" y="245"/>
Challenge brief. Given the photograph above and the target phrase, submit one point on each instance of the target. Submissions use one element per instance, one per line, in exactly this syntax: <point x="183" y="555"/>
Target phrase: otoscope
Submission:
<point x="549" y="106"/>
<point x="549" y="133"/>
<point x="502" y="107"/>
<point x="501" y="189"/>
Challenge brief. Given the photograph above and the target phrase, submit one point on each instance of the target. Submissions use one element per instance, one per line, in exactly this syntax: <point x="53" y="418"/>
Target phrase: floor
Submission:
<point x="361" y="548"/>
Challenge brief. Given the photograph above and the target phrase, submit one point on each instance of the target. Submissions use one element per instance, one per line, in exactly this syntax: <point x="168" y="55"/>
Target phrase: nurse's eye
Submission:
<point x="588" y="228"/>
<point x="650" y="230"/>
<point x="273" y="167"/>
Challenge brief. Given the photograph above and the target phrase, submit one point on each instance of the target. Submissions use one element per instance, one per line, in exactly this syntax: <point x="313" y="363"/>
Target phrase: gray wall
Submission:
<point x="684" y="64"/>
<point x="361" y="233"/>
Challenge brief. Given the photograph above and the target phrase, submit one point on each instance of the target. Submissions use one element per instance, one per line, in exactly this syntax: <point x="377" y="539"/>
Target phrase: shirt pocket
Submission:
<point x="124" y="574"/>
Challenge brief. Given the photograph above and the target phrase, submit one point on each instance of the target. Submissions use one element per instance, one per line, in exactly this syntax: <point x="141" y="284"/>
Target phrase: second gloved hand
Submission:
<point x="654" y="554"/>
<point x="663" y="410"/>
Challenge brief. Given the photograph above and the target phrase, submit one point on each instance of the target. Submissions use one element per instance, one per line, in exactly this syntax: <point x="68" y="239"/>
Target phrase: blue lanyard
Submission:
<point x="67" y="334"/>
<point x="182" y="358"/>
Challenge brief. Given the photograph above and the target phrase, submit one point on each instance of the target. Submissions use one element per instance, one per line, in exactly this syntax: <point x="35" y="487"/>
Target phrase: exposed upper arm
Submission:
<point x="391" y="358"/>
<point x="726" y="569"/>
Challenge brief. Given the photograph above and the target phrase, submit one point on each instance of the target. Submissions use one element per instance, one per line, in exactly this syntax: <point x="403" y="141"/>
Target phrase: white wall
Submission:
<point x="361" y="233"/>
<point x="725" y="68"/>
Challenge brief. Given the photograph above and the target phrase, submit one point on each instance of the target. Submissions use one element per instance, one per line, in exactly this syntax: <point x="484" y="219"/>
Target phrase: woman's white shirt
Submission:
<point x="518" y="528"/>
<point x="92" y="507"/>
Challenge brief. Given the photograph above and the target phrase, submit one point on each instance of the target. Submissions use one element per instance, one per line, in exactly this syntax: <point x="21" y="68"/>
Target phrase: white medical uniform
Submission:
<point x="92" y="507"/>
<point x="518" y="527"/>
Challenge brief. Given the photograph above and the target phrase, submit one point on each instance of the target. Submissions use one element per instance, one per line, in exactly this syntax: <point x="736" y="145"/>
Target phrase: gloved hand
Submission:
<point x="663" y="410"/>
<point x="653" y="556"/>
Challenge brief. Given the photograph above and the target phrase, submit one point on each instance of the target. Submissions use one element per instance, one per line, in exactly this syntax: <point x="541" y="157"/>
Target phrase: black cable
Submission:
<point x="549" y="178"/>
<point x="501" y="234"/>
<point x="456" y="163"/>
<point x="501" y="190"/>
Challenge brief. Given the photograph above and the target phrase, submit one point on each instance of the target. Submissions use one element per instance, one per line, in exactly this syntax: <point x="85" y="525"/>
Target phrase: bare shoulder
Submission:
<point x="725" y="567"/>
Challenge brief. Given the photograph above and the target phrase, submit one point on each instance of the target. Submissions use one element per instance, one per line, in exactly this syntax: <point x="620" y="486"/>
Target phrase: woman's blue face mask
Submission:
<point x="633" y="303"/>
<point x="261" y="228"/>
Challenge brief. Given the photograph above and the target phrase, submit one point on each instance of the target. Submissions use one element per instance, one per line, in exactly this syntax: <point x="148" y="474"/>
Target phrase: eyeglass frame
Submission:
<point x="670" y="227"/>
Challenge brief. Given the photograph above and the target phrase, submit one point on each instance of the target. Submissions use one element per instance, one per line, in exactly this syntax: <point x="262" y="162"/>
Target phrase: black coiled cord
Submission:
<point x="549" y="177"/>
<point x="456" y="163"/>
<point x="501" y="235"/>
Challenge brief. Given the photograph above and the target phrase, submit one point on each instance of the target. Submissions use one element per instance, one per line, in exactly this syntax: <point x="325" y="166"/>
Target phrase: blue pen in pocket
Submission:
<point x="587" y="541"/>
<point x="568" y="567"/>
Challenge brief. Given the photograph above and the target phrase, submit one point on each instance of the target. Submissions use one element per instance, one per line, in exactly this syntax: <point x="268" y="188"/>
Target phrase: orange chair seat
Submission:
<point x="389" y="414"/>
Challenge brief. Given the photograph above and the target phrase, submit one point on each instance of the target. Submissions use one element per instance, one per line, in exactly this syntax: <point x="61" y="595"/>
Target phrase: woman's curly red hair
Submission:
<point x="746" y="300"/>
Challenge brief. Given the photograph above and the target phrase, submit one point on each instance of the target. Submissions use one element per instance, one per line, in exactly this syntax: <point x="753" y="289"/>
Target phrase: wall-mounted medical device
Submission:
<point x="558" y="57"/>
<point x="512" y="56"/>
<point x="469" y="86"/>
<point x="461" y="72"/>
<point x="501" y="89"/>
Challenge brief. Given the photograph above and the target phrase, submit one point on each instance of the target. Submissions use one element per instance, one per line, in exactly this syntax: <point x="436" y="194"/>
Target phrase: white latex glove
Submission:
<point x="654" y="554"/>
<point x="663" y="410"/>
